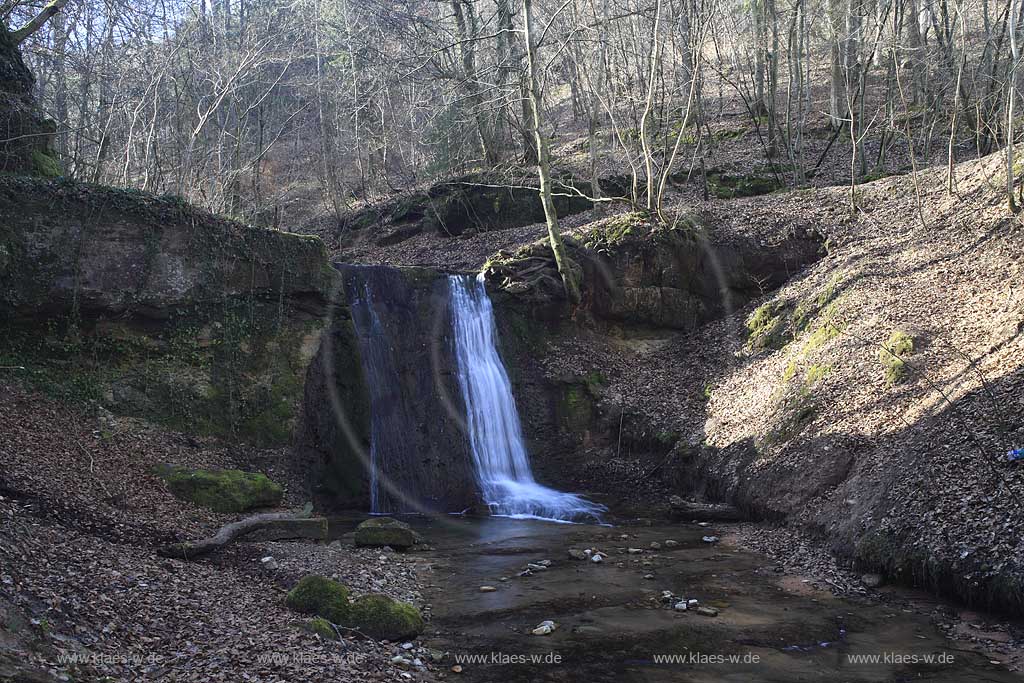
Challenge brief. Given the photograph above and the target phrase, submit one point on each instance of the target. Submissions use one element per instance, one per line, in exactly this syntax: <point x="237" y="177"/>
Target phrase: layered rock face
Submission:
<point x="153" y="308"/>
<point x="637" y="272"/>
<point x="383" y="420"/>
<point x="472" y="203"/>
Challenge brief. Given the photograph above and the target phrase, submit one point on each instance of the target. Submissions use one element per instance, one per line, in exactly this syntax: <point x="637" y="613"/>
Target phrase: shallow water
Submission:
<point x="613" y="627"/>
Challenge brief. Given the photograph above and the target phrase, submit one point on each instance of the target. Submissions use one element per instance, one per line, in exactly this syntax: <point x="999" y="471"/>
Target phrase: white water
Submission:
<point x="496" y="438"/>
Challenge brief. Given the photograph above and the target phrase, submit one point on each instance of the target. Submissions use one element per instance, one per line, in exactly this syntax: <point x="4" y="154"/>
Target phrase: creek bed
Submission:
<point x="614" y="626"/>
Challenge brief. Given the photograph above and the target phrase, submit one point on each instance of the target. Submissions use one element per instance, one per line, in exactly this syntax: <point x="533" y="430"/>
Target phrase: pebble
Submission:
<point x="710" y="539"/>
<point x="457" y="669"/>
<point x="577" y="554"/>
<point x="872" y="580"/>
<point x="487" y="589"/>
<point x="407" y="646"/>
<point x="268" y="562"/>
<point x="648" y="576"/>
<point x="681" y="606"/>
<point x="692" y="602"/>
<point x="671" y="544"/>
<point x="707" y="611"/>
<point x="655" y="545"/>
<point x="704" y="524"/>
<point x="535" y="567"/>
<point x="544" y="628"/>
<point x="597" y="558"/>
<point x="634" y="551"/>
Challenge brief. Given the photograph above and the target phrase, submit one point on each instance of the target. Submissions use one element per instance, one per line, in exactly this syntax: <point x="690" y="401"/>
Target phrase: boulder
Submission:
<point x="322" y="628"/>
<point x="382" y="531"/>
<point x="320" y="596"/>
<point x="224" y="490"/>
<point x="384" y="618"/>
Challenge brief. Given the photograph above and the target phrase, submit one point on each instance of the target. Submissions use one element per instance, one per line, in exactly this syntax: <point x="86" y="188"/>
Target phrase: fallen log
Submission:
<point x="229" y="532"/>
<point x="680" y="509"/>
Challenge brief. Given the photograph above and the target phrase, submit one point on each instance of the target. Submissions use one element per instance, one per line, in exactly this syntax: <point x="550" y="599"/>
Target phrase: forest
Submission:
<point x="518" y="340"/>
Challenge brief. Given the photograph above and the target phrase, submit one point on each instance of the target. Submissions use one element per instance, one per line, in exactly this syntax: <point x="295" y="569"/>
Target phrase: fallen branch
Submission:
<point x="229" y="532"/>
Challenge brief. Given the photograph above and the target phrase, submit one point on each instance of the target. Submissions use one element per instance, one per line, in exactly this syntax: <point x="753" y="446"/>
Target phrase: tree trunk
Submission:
<point x="572" y="289"/>
<point x="229" y="532"/>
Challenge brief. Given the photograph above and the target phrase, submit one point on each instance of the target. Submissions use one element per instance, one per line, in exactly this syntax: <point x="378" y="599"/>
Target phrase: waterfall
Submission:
<point x="382" y="379"/>
<point x="496" y="440"/>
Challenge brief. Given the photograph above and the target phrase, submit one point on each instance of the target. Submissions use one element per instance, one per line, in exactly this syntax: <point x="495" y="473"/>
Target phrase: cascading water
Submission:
<point x="382" y="379"/>
<point x="496" y="439"/>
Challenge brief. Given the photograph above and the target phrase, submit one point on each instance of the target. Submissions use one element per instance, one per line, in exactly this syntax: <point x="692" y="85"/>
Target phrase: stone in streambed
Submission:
<point x="577" y="554"/>
<point x="385" y="531"/>
<point x="707" y="611"/>
<point x="544" y="628"/>
<point x="487" y="589"/>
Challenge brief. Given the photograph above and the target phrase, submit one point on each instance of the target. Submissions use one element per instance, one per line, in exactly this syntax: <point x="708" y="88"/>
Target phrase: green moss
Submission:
<point x="817" y="373"/>
<point x="225" y="490"/>
<point x="896" y="349"/>
<point x="320" y="596"/>
<point x="790" y="371"/>
<point x="730" y="186"/>
<point x="382" y="531"/>
<point x="322" y="628"/>
<point x="576" y="407"/>
<point x="767" y="327"/>
<point x="820" y="337"/>
<point x="381" y="617"/>
<point x="807" y="309"/>
<point x="44" y="165"/>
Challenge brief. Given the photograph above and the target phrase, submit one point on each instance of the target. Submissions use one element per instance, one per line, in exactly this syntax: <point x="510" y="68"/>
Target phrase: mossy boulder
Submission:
<point x="322" y="597"/>
<point x="322" y="628"/>
<point x="382" y="617"/>
<point x="381" y="531"/>
<point x="224" y="490"/>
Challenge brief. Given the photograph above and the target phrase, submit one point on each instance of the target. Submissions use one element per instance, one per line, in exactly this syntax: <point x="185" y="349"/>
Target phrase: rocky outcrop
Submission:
<point x="159" y="310"/>
<point x="472" y="203"/>
<point x="71" y="248"/>
<point x="639" y="272"/>
<point x="387" y="378"/>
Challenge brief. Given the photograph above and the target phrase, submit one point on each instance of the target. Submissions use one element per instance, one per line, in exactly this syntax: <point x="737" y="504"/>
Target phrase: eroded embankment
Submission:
<point x="870" y="400"/>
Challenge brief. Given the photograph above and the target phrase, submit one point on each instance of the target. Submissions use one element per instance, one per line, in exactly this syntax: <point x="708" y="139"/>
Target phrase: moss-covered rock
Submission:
<point x="322" y="597"/>
<point x="382" y="531"/>
<point x="322" y="628"/>
<point x="382" y="617"/>
<point x="896" y="349"/>
<point x="224" y="490"/>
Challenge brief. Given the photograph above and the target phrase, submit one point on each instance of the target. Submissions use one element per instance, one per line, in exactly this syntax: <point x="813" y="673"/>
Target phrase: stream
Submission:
<point x="614" y="626"/>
